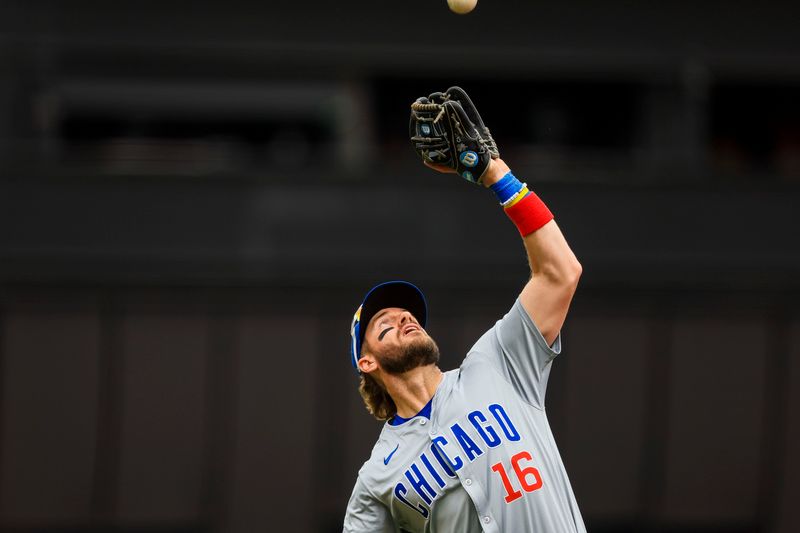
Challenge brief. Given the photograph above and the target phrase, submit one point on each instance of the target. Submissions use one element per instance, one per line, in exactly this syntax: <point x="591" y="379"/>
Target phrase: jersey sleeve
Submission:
<point x="517" y="349"/>
<point x="366" y="513"/>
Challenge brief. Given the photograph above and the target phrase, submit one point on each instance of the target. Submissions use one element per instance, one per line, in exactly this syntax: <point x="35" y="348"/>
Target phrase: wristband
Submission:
<point x="517" y="197"/>
<point x="529" y="214"/>
<point x="506" y="188"/>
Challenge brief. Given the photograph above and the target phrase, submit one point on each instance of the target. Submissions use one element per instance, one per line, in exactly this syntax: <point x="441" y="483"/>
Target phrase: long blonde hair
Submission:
<point x="378" y="402"/>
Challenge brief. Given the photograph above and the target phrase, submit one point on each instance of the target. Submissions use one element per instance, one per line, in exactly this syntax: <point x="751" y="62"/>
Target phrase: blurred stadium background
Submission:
<point x="194" y="197"/>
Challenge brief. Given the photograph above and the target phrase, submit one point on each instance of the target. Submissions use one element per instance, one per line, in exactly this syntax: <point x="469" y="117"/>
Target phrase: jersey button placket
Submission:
<point x="472" y="486"/>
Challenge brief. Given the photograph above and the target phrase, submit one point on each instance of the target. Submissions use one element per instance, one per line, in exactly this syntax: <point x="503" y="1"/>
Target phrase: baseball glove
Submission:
<point x="446" y="129"/>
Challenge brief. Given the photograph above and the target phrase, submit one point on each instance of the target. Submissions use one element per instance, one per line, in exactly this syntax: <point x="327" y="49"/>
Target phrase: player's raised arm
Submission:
<point x="449" y="135"/>
<point x="554" y="268"/>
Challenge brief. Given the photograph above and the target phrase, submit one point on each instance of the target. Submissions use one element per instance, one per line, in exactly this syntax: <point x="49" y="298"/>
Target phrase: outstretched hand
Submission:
<point x="447" y="131"/>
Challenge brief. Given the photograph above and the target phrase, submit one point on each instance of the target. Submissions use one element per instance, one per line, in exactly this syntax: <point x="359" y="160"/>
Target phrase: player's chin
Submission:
<point x="422" y="350"/>
<point x="417" y="352"/>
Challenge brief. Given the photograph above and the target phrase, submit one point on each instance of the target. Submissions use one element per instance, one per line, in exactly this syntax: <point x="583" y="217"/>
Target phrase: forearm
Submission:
<point x="554" y="268"/>
<point x="548" y="252"/>
<point x="550" y="257"/>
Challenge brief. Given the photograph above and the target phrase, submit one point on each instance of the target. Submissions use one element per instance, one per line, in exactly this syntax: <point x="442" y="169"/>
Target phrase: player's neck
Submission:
<point x="414" y="389"/>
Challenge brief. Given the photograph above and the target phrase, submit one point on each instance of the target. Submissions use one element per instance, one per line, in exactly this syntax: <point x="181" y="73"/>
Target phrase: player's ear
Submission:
<point x="367" y="364"/>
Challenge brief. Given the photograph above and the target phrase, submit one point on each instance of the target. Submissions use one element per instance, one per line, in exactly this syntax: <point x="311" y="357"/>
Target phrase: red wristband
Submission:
<point x="529" y="214"/>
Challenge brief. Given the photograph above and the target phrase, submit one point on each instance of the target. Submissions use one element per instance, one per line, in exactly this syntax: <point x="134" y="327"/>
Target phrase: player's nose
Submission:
<point x="406" y="317"/>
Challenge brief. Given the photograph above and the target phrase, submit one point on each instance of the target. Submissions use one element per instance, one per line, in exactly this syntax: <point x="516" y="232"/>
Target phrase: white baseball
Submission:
<point x="462" y="7"/>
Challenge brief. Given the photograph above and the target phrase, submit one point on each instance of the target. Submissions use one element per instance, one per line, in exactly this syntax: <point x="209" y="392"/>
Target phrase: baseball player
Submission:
<point x="470" y="449"/>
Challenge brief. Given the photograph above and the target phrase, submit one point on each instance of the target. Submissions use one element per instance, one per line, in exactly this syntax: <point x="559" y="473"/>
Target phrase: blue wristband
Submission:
<point x="507" y="187"/>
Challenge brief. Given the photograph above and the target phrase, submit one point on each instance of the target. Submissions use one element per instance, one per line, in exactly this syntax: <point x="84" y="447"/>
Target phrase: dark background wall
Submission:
<point x="195" y="196"/>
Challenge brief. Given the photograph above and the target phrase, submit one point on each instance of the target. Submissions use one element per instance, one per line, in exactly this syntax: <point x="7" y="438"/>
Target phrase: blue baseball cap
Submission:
<point x="400" y="294"/>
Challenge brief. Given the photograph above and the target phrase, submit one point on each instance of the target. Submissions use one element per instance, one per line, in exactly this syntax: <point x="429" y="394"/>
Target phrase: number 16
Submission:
<point x="523" y="474"/>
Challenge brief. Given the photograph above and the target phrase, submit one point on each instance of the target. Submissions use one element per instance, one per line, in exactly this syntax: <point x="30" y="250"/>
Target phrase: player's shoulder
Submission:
<point x="486" y="347"/>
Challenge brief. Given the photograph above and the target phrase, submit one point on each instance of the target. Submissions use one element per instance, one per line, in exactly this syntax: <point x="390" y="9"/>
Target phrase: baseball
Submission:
<point x="462" y="7"/>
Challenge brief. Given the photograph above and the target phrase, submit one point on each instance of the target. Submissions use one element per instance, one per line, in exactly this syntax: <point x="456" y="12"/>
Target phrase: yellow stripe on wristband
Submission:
<point x="517" y="197"/>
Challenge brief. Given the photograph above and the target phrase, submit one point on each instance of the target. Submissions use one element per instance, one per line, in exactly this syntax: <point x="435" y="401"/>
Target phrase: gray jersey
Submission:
<point x="485" y="461"/>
